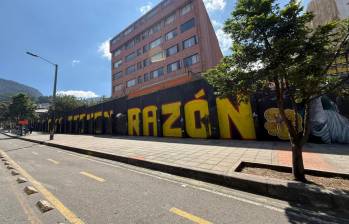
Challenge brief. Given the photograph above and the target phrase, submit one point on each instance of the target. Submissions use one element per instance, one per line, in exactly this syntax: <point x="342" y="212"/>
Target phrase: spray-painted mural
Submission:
<point x="191" y="110"/>
<point x="327" y="121"/>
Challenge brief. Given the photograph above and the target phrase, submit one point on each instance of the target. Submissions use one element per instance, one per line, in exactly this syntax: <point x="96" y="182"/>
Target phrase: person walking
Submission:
<point x="30" y="129"/>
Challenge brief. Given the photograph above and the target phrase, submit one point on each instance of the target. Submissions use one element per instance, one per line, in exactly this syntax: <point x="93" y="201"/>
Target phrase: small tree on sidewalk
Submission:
<point x="274" y="46"/>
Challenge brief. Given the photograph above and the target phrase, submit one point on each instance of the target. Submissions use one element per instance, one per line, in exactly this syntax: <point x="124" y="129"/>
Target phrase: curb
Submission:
<point x="291" y="191"/>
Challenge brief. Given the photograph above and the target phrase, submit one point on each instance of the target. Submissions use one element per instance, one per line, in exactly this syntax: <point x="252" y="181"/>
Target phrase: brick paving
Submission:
<point x="217" y="156"/>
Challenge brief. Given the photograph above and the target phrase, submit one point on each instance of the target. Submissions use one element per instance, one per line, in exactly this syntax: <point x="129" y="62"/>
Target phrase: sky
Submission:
<point x="75" y="35"/>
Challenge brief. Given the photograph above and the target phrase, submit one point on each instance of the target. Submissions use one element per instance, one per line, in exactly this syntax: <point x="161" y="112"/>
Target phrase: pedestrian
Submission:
<point x="30" y="129"/>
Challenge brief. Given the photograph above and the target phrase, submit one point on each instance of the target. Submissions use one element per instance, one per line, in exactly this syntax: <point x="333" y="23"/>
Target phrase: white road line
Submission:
<point x="90" y="175"/>
<point x="239" y="197"/>
<point x="53" y="161"/>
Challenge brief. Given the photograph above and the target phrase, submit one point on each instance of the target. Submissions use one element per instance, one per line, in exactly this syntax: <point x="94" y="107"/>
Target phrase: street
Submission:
<point x="84" y="189"/>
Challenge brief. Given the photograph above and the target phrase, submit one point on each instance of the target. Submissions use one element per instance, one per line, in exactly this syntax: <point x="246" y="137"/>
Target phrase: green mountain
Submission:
<point x="10" y="88"/>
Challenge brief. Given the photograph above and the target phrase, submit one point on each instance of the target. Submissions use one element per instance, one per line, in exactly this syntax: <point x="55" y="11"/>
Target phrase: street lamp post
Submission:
<point x="53" y="122"/>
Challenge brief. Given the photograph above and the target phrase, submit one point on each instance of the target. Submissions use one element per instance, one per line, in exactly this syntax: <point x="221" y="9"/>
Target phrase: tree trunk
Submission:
<point x="295" y="139"/>
<point x="297" y="162"/>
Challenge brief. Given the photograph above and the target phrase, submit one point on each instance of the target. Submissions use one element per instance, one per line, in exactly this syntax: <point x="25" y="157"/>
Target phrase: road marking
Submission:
<point x="243" y="197"/>
<point x="32" y="217"/>
<point x="69" y="215"/>
<point x="53" y="161"/>
<point x="189" y="216"/>
<point x="92" y="176"/>
<point x="35" y="153"/>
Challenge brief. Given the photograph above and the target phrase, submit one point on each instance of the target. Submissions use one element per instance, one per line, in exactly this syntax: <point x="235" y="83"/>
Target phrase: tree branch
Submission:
<point x="307" y="124"/>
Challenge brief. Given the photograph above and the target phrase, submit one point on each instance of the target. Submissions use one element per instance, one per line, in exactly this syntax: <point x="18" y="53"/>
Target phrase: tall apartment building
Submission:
<point x="326" y="11"/>
<point x="170" y="45"/>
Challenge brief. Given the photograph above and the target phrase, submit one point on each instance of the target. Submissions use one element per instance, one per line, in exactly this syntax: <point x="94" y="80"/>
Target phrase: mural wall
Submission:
<point x="191" y="110"/>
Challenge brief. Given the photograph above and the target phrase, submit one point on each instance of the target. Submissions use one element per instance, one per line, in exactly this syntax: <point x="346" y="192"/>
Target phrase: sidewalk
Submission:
<point x="214" y="156"/>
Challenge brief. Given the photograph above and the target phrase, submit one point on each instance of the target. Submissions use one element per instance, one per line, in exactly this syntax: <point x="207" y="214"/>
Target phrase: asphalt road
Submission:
<point x="91" y="190"/>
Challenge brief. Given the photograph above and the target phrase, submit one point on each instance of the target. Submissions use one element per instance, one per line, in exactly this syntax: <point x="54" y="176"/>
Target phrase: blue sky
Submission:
<point x="71" y="33"/>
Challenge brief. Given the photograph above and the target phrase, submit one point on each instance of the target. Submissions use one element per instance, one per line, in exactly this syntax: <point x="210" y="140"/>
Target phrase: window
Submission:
<point x="186" y="9"/>
<point x="173" y="67"/>
<point x="157" y="57"/>
<point x="145" y="34"/>
<point x="151" y="14"/>
<point x="139" y="52"/>
<point x="172" y="50"/>
<point x="191" y="60"/>
<point x="146" y="77"/>
<point x="117" y="64"/>
<point x="165" y="3"/>
<point x="169" y="19"/>
<point x="117" y="52"/>
<point x="155" y="43"/>
<point x="118" y="88"/>
<point x="170" y="35"/>
<point x="156" y="28"/>
<point x="157" y="73"/>
<point x="130" y="69"/>
<point x="131" y="56"/>
<point x="140" y="79"/>
<point x="137" y="39"/>
<point x="145" y="48"/>
<point x="129" y="44"/>
<point x="139" y="65"/>
<point x="116" y="39"/>
<point x="189" y="42"/>
<point x="146" y="62"/>
<point x="188" y="25"/>
<point x="132" y="82"/>
<point x="129" y="30"/>
<point x="117" y="75"/>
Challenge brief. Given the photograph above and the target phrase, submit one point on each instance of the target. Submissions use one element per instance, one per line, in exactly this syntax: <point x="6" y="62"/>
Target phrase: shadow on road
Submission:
<point x="5" y="138"/>
<point x="315" y="210"/>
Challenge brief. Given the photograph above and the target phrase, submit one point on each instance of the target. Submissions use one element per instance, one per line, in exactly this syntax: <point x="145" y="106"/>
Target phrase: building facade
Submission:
<point x="326" y="11"/>
<point x="170" y="45"/>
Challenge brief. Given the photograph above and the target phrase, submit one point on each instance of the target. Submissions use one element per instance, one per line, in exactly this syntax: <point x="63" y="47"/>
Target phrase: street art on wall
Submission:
<point x="276" y="126"/>
<point x="191" y="110"/>
<point x="327" y="122"/>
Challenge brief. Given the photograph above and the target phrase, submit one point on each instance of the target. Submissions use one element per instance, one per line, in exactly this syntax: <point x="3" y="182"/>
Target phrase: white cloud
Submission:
<point x="216" y="24"/>
<point x="104" y="49"/>
<point x="145" y="8"/>
<point x="75" y="62"/>
<point x="78" y="93"/>
<point x="213" y="5"/>
<point x="224" y="39"/>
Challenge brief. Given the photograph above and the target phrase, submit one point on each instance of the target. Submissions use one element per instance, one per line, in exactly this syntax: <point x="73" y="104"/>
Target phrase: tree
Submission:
<point x="66" y="103"/>
<point x="274" y="46"/>
<point x="44" y="99"/>
<point x="3" y="113"/>
<point x="3" y="110"/>
<point x="21" y="107"/>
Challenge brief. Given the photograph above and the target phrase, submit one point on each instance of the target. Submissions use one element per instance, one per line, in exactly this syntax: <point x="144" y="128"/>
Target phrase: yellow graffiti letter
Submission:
<point x="240" y="117"/>
<point x="197" y="122"/>
<point x="150" y="127"/>
<point x="133" y="121"/>
<point x="172" y="112"/>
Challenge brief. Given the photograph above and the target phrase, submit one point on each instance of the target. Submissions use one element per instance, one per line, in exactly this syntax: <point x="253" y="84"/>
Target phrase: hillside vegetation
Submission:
<point x="10" y="88"/>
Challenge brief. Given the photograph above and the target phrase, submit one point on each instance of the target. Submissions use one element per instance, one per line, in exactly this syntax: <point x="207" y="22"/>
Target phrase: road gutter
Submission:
<point x="68" y="214"/>
<point x="291" y="191"/>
